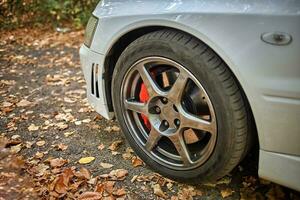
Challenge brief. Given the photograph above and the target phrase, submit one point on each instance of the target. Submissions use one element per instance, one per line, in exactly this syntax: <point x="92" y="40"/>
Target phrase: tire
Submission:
<point x="218" y="83"/>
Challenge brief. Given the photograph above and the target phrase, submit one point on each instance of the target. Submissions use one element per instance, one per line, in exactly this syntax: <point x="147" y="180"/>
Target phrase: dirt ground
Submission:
<point x="54" y="146"/>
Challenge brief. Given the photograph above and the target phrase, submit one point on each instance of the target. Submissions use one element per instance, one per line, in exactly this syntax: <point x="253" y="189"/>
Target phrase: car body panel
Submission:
<point x="269" y="74"/>
<point x="280" y="168"/>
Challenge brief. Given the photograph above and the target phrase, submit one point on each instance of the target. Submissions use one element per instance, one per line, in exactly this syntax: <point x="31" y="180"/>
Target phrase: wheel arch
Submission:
<point x="125" y="39"/>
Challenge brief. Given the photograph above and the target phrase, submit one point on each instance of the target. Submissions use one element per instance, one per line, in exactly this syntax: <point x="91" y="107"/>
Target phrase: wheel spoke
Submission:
<point x="136" y="106"/>
<point x="181" y="148"/>
<point x="150" y="84"/>
<point x="191" y="121"/>
<point x="152" y="140"/>
<point x="176" y="92"/>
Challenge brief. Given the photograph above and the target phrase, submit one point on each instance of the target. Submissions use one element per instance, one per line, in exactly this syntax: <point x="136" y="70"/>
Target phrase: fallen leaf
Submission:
<point x="40" y="169"/>
<point x="119" y="192"/>
<point x="101" y="147"/>
<point x="61" y="126"/>
<point x="39" y="155"/>
<point x="115" y="128"/>
<point x="90" y="196"/>
<point x="86" y="160"/>
<point x="133" y="178"/>
<point x="86" y="120"/>
<point x="225" y="180"/>
<point x="16" y="148"/>
<point x="67" y="134"/>
<point x="106" y="165"/>
<point x="69" y="100"/>
<point x="118" y="174"/>
<point x="226" y="192"/>
<point x="115" y="145"/>
<point x="112" y="129"/>
<point x="58" y="162"/>
<point x="15" y="137"/>
<point x="83" y="173"/>
<point x="128" y="154"/>
<point x="275" y="193"/>
<point x="62" y="147"/>
<point x="264" y="181"/>
<point x="187" y="192"/>
<point x="77" y="123"/>
<point x="6" y="104"/>
<point x="62" y="182"/>
<point x="136" y="161"/>
<point x="41" y="143"/>
<point x="24" y="103"/>
<point x="158" y="191"/>
<point x="28" y="144"/>
<point x="109" y="186"/>
<point x="33" y="127"/>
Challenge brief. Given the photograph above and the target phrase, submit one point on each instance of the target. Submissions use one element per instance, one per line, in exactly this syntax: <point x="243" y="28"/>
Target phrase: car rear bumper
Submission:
<point x="92" y="66"/>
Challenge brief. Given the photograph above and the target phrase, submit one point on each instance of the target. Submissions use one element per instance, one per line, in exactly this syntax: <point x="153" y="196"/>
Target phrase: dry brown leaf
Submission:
<point x="119" y="192"/>
<point x="86" y="120"/>
<point x="86" y="160"/>
<point x="39" y="155"/>
<point x="109" y="186"/>
<point x="275" y="193"/>
<point x="83" y="173"/>
<point x="16" y="148"/>
<point x="136" y="161"/>
<point x="115" y="128"/>
<point x="128" y="154"/>
<point x="112" y="129"/>
<point x="118" y="174"/>
<point x="6" y="104"/>
<point x="61" y="126"/>
<point x="41" y="143"/>
<point x="40" y="169"/>
<point x="101" y="147"/>
<point x="174" y="197"/>
<point x="106" y="165"/>
<point x="24" y="103"/>
<point x="115" y="145"/>
<point x="57" y="162"/>
<point x="61" y="183"/>
<point x="67" y="134"/>
<point x="226" y="192"/>
<point x="62" y="147"/>
<point x="90" y="196"/>
<point x="33" y="127"/>
<point x="158" y="191"/>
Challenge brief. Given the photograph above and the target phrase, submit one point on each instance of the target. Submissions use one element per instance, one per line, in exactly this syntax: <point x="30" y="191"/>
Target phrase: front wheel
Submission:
<point x="180" y="107"/>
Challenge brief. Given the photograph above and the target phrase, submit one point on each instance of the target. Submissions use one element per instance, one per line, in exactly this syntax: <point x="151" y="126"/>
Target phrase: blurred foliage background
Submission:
<point x="58" y="13"/>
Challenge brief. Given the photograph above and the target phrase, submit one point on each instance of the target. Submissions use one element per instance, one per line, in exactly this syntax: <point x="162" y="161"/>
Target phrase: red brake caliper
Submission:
<point x="144" y="96"/>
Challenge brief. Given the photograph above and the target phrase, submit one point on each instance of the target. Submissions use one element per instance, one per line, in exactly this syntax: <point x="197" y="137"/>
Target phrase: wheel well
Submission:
<point x="114" y="54"/>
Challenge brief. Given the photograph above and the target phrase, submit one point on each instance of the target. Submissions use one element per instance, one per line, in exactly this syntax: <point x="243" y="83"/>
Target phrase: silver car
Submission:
<point x="194" y="83"/>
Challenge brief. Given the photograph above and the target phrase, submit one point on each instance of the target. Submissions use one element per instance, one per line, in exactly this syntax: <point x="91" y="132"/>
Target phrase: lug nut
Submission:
<point x="165" y="100"/>
<point x="166" y="123"/>
<point x="157" y="110"/>
<point x="177" y="122"/>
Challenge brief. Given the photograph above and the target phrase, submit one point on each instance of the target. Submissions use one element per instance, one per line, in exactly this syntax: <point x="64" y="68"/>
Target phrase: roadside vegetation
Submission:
<point x="57" y="13"/>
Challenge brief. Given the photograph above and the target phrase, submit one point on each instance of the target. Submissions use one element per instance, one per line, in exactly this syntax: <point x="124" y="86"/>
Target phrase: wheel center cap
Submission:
<point x="170" y="114"/>
<point x="165" y="115"/>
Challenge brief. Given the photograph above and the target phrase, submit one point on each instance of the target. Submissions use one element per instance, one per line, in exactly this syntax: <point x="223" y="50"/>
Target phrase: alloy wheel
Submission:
<point x="176" y="124"/>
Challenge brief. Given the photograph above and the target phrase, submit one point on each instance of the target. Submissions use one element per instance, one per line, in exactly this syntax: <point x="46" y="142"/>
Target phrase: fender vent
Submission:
<point x="94" y="80"/>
